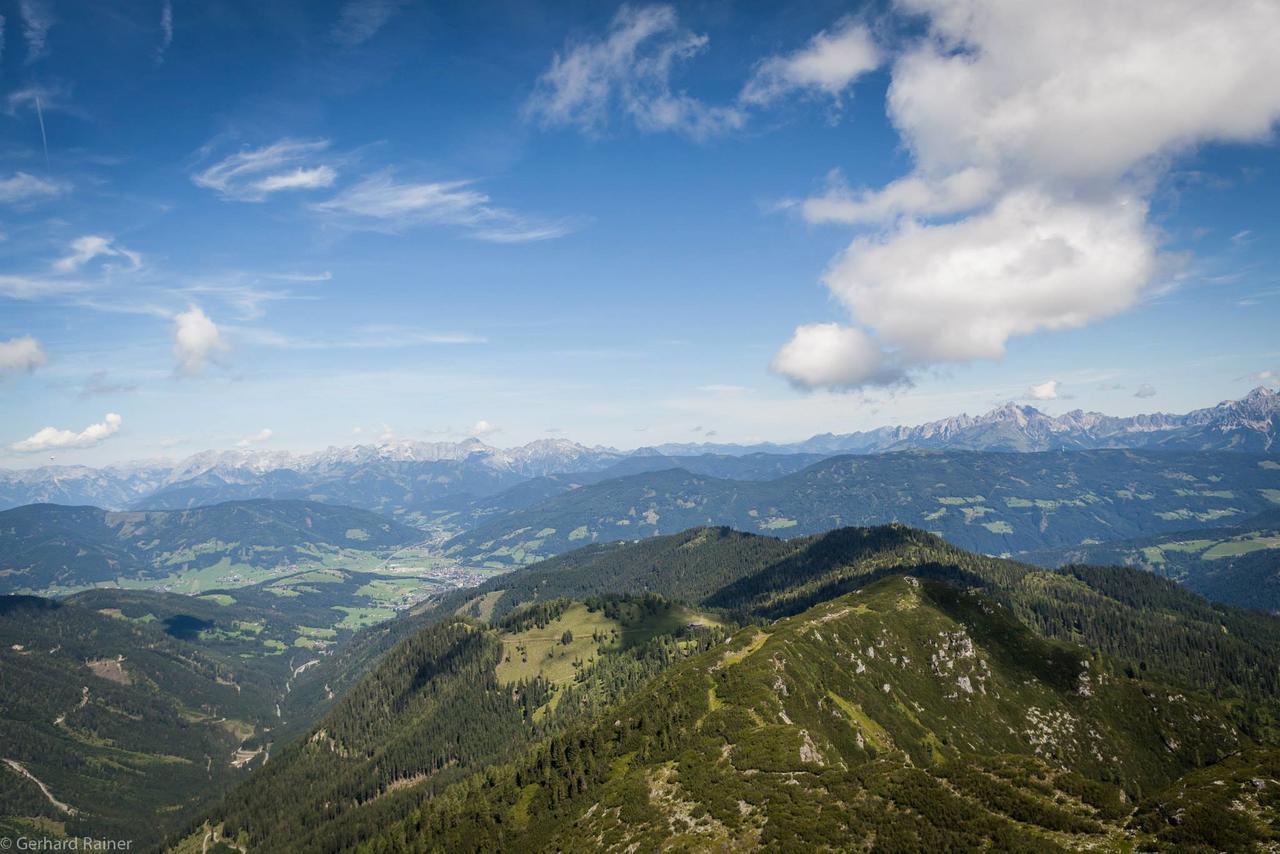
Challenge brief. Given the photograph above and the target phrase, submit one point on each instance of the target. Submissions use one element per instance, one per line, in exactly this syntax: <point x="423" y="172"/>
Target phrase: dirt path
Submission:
<point x="19" y="768"/>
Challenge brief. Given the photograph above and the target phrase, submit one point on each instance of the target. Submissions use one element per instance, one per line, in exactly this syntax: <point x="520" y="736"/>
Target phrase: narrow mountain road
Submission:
<point x="21" y="769"/>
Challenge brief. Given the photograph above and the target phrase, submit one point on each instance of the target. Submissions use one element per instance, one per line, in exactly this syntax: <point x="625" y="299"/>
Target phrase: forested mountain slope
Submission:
<point x="907" y="716"/>
<point x="1238" y="564"/>
<point x="129" y="729"/>
<point x="889" y="687"/>
<point x="988" y="502"/>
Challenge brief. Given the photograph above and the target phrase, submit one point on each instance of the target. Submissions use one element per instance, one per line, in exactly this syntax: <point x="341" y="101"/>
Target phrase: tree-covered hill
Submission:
<point x="451" y="699"/>
<point x="995" y="503"/>
<point x="909" y="715"/>
<point x="888" y="686"/>
<point x="46" y="546"/>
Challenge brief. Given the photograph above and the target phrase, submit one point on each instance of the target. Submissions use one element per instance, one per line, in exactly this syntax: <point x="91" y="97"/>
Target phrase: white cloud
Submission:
<point x="24" y="187"/>
<point x="196" y="340"/>
<point x="1044" y="127"/>
<point x="482" y="428"/>
<point x="829" y="63"/>
<point x="21" y="355"/>
<point x="35" y="287"/>
<point x="1082" y="91"/>
<point x="255" y="438"/>
<point x="382" y="202"/>
<point x="85" y="249"/>
<point x="629" y="69"/>
<point x="37" y="18"/>
<point x="1145" y="390"/>
<point x="961" y="191"/>
<point x="1047" y="390"/>
<point x="51" y="438"/>
<point x="254" y="174"/>
<point x="166" y="29"/>
<point x="360" y="20"/>
<point x="829" y="355"/>
<point x="298" y="179"/>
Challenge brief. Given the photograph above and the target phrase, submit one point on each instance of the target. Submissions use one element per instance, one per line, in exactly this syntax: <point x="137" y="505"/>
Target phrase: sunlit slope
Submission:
<point x="909" y="716"/>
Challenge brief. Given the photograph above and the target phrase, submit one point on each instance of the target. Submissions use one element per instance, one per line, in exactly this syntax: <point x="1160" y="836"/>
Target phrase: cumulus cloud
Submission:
<point x="1037" y="133"/>
<point x="482" y="429"/>
<point x="91" y="246"/>
<point x="21" y="355"/>
<point x="382" y="202"/>
<point x="23" y="187"/>
<point x="629" y="70"/>
<point x="252" y="175"/>
<point x="828" y="64"/>
<point x="52" y="438"/>
<point x="255" y="438"/>
<point x="960" y="290"/>
<point x="1145" y="390"/>
<point x="1047" y="390"/>
<point x="833" y="356"/>
<point x="196" y="341"/>
<point x="360" y="20"/>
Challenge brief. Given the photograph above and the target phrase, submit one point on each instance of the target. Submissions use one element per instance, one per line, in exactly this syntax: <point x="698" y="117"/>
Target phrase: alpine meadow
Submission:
<point x="707" y="426"/>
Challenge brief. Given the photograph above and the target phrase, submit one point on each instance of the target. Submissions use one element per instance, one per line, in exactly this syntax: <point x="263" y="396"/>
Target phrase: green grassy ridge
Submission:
<point x="50" y="546"/>
<point x="787" y="739"/>
<point x="1149" y="623"/>
<point x="995" y="503"/>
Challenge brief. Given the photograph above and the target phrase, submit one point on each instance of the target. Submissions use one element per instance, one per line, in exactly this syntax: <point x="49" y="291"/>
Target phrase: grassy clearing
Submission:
<point x="542" y="652"/>
<point x="1232" y="548"/>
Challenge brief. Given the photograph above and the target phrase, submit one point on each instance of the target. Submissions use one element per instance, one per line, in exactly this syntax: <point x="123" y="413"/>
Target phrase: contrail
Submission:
<point x="44" y="139"/>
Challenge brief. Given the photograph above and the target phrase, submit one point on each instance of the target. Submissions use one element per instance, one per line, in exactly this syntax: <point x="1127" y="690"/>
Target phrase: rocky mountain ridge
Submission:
<point x="475" y="468"/>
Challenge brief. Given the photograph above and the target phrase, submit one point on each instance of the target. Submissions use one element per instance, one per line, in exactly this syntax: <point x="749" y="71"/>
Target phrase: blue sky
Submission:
<point x="290" y="225"/>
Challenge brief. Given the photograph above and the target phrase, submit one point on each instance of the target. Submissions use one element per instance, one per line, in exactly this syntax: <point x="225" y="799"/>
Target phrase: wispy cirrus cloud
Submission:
<point x="37" y="19"/>
<point x="23" y="187"/>
<point x="90" y="246"/>
<point x="829" y="64"/>
<point x="369" y="337"/>
<point x="253" y="175"/>
<point x="360" y="20"/>
<point x="30" y="288"/>
<point x="166" y="30"/>
<point x="629" y="69"/>
<point x="381" y="202"/>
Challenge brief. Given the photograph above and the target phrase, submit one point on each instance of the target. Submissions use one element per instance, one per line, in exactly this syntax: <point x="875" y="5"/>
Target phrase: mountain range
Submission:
<point x="995" y="503"/>
<point x="414" y="478"/>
